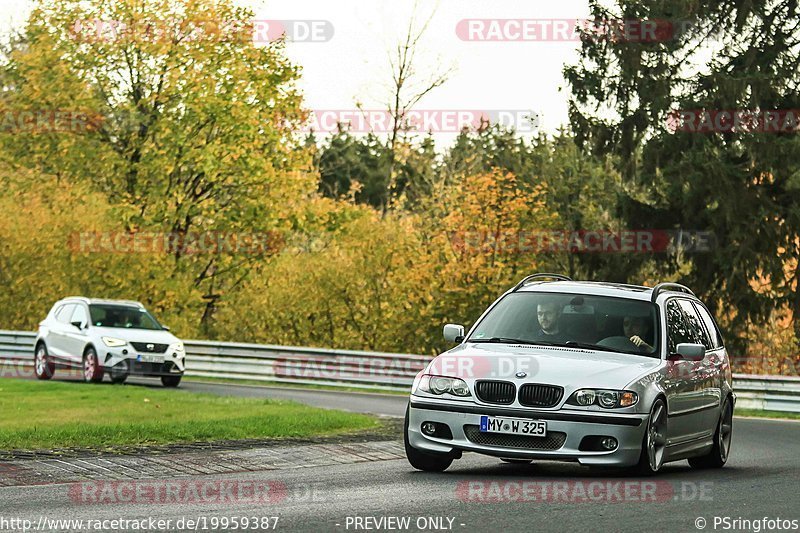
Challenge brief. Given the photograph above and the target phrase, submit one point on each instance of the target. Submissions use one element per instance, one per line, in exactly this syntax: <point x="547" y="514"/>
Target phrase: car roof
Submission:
<point x="597" y="288"/>
<point x="90" y="301"/>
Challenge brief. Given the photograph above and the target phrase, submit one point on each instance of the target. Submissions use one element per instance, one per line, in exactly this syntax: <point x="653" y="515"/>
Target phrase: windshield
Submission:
<point x="122" y="316"/>
<point x="614" y="324"/>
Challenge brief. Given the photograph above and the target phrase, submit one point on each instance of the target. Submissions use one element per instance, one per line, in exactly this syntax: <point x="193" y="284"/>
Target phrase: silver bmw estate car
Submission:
<point x="603" y="374"/>
<point x="114" y="337"/>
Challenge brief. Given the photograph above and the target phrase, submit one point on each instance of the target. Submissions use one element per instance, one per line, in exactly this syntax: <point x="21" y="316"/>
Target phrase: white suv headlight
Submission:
<point x="111" y="342"/>
<point x="439" y="385"/>
<point x="178" y="347"/>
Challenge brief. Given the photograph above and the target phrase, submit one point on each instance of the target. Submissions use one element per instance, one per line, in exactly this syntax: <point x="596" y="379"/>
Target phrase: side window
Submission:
<point x="677" y="328"/>
<point x="79" y="315"/>
<point x="711" y="327"/>
<point x="65" y="313"/>
<point x="697" y="333"/>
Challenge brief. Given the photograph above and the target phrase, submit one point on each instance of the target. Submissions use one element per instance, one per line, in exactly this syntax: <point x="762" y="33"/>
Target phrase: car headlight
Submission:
<point x="111" y="342"/>
<point x="607" y="399"/>
<point x="178" y="347"/>
<point x="439" y="385"/>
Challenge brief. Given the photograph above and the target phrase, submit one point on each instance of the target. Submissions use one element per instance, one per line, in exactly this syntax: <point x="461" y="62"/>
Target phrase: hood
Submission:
<point x="571" y="368"/>
<point x="156" y="336"/>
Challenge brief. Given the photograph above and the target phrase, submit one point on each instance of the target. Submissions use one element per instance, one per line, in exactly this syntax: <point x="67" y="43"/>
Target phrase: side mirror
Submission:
<point x="453" y="332"/>
<point x="78" y="325"/>
<point x="165" y="328"/>
<point x="686" y="351"/>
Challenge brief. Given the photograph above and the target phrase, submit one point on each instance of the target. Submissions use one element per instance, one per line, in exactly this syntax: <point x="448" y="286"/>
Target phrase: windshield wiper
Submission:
<point x="590" y="346"/>
<point x="509" y="340"/>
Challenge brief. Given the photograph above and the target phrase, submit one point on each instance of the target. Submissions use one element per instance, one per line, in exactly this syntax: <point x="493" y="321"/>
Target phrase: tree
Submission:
<point x="188" y="120"/>
<point x="408" y="87"/>
<point x="740" y="185"/>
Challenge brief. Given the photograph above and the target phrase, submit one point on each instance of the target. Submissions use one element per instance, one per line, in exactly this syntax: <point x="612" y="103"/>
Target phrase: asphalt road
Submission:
<point x="760" y="480"/>
<point x="479" y="493"/>
<point x="357" y="402"/>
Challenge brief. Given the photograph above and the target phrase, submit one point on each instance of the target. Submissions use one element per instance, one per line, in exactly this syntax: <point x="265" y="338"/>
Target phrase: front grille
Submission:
<point x="553" y="441"/>
<point x="502" y="392"/>
<point x="149" y="347"/>
<point x="535" y="395"/>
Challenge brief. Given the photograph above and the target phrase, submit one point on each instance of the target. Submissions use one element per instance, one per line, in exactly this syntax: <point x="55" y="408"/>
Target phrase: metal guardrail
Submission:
<point x="351" y="368"/>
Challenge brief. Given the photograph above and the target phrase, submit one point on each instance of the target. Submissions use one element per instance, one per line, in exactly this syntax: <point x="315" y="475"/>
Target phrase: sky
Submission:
<point x="353" y="65"/>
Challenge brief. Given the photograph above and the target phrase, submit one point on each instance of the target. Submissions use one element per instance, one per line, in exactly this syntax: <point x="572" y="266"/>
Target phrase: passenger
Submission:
<point x="635" y="328"/>
<point x="549" y="316"/>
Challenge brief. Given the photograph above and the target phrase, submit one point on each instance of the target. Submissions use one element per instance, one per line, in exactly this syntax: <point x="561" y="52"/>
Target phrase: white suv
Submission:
<point x="117" y="337"/>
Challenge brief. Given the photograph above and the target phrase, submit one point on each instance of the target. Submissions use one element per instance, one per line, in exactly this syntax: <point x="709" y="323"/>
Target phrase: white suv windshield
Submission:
<point x="122" y="316"/>
<point x="615" y="324"/>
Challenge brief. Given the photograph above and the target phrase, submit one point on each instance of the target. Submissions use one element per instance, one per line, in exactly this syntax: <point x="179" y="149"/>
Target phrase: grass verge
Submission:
<point x="36" y="415"/>
<point x="766" y="414"/>
<point x="289" y="385"/>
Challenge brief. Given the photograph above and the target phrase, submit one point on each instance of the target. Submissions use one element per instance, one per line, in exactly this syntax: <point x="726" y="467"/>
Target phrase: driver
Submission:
<point x="635" y="328"/>
<point x="548" y="315"/>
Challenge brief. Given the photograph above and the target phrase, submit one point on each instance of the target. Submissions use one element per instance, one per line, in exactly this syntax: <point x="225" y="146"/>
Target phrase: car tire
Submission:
<point x="118" y="379"/>
<point x="171" y="381"/>
<point x="92" y="371"/>
<point x="654" y="443"/>
<point x="119" y="372"/>
<point x="427" y="462"/>
<point x="721" y="449"/>
<point x="43" y="365"/>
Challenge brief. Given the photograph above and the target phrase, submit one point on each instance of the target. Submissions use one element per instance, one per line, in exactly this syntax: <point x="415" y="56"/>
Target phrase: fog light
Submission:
<point x="609" y="443"/>
<point x="436" y="429"/>
<point x="124" y="352"/>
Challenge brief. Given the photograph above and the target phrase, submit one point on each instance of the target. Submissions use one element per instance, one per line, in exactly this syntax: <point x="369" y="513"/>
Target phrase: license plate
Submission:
<point x="147" y="358"/>
<point x="516" y="426"/>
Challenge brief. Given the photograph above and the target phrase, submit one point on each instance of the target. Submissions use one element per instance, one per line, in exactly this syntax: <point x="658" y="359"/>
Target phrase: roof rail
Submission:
<point x="532" y="277"/>
<point x="661" y="287"/>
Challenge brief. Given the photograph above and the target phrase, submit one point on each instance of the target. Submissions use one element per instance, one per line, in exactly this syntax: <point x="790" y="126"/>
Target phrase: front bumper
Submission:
<point x="115" y="360"/>
<point x="573" y="424"/>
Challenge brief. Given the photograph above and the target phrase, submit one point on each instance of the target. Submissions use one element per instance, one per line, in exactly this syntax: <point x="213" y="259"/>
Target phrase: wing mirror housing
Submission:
<point x="78" y="325"/>
<point x="686" y="351"/>
<point x="453" y="332"/>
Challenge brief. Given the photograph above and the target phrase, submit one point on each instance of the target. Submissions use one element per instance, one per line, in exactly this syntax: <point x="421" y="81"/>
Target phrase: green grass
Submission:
<point x="766" y="414"/>
<point x="35" y="414"/>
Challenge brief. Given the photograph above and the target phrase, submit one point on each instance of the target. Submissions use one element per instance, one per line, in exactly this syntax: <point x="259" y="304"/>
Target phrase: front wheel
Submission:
<point x="427" y="462"/>
<point x="43" y="366"/>
<point x="118" y="379"/>
<point x="654" y="443"/>
<point x="92" y="371"/>
<point x="171" y="381"/>
<point x="718" y="455"/>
